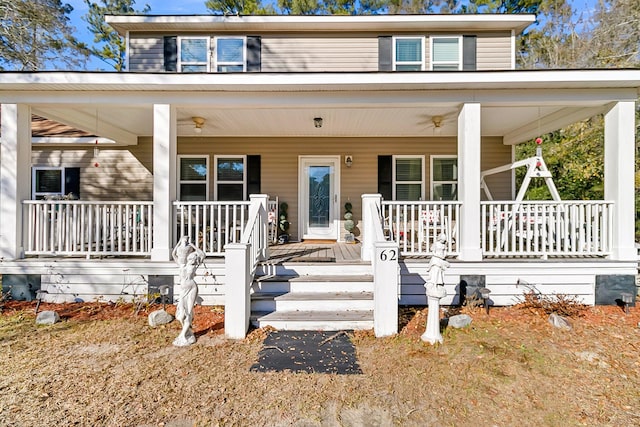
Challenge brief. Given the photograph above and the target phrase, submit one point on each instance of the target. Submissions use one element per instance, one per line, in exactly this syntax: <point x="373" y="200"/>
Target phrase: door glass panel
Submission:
<point x="319" y="195"/>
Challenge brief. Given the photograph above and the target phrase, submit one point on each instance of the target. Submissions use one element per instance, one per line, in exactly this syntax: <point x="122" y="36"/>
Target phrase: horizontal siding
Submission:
<point x="121" y="173"/>
<point x="495" y="154"/>
<point x="494" y="51"/>
<point x="146" y="53"/>
<point x="319" y="54"/>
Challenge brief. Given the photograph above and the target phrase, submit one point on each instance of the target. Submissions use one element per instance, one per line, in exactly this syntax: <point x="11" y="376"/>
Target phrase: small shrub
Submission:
<point x="561" y="304"/>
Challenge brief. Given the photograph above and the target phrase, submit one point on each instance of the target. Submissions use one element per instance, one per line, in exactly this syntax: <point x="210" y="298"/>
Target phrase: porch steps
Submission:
<point x="313" y="302"/>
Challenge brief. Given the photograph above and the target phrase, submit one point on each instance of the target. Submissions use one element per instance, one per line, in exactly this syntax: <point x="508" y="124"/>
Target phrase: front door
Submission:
<point x="318" y="198"/>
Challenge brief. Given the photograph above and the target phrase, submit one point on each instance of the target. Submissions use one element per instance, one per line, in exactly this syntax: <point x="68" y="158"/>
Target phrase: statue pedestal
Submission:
<point x="432" y="334"/>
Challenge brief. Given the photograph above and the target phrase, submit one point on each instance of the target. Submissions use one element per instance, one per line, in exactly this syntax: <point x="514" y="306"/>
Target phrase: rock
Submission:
<point x="47" y="318"/>
<point x="459" y="321"/>
<point x="159" y="317"/>
<point x="559" y="322"/>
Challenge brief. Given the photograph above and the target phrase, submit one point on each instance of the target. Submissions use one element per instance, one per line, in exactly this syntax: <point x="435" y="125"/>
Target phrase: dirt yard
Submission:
<point x="103" y="365"/>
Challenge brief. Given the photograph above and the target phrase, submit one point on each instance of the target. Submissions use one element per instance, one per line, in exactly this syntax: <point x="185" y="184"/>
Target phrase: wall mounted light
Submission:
<point x="198" y="122"/>
<point x="348" y="160"/>
<point x="317" y="122"/>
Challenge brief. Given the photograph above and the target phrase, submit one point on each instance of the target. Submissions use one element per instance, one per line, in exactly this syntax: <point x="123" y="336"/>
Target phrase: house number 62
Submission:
<point x="388" y="255"/>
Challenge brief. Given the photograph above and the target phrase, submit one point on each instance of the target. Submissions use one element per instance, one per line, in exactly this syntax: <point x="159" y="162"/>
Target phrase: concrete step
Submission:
<point x="315" y="320"/>
<point x="302" y="269"/>
<point x="312" y="301"/>
<point x="314" y="283"/>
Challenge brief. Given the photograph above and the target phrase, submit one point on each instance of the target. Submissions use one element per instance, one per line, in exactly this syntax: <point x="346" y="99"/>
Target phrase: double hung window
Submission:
<point x="193" y="184"/>
<point x="408" y="53"/>
<point x="193" y="54"/>
<point x="55" y="182"/>
<point x="444" y="178"/>
<point x="231" y="177"/>
<point x="230" y="54"/>
<point x="446" y="53"/>
<point x="408" y="178"/>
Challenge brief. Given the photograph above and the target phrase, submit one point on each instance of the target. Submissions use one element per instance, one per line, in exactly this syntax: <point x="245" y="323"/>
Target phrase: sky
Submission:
<point x="181" y="7"/>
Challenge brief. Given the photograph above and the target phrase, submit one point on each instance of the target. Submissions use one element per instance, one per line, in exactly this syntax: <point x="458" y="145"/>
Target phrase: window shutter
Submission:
<point x="385" y="53"/>
<point x="385" y="177"/>
<point x="171" y="53"/>
<point x="72" y="181"/>
<point x="469" y="53"/>
<point x="254" y="52"/>
<point x="253" y="175"/>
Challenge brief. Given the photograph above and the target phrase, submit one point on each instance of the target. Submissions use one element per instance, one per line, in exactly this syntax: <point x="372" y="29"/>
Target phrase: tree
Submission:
<point x="37" y="35"/>
<point x="112" y="47"/>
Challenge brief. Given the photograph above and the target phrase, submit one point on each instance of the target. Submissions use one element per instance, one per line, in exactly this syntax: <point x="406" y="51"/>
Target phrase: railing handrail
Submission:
<point x="378" y="226"/>
<point x="212" y="203"/>
<point x="421" y="202"/>
<point x="88" y="202"/>
<point x="546" y="202"/>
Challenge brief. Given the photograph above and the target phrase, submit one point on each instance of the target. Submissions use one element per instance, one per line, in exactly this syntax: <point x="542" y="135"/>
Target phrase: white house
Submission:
<point x="398" y="115"/>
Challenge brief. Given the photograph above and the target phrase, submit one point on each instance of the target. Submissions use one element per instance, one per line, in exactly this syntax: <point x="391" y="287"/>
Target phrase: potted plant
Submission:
<point x="349" y="223"/>
<point x="283" y="224"/>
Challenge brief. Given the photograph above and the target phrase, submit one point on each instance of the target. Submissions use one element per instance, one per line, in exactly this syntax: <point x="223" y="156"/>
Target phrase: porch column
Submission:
<point x="15" y="176"/>
<point x="369" y="232"/>
<point x="257" y="201"/>
<point x="619" y="173"/>
<point x="165" y="151"/>
<point x="469" y="182"/>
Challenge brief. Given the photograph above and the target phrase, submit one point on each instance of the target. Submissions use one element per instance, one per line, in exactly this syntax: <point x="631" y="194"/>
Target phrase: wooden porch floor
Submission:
<point x="315" y="252"/>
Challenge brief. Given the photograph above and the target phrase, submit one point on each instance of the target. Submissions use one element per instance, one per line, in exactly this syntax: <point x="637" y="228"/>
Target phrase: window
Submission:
<point x="231" y="177"/>
<point x="55" y="182"/>
<point x="408" y="178"/>
<point x="193" y="184"/>
<point x="444" y="178"/>
<point x="230" y="54"/>
<point x="193" y="54"/>
<point x="446" y="54"/>
<point x="408" y="53"/>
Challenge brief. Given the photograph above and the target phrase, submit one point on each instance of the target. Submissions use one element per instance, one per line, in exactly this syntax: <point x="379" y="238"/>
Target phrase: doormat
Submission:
<point x="308" y="352"/>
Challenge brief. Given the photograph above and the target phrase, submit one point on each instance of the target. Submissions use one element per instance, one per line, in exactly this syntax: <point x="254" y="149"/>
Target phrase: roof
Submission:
<point x="314" y="23"/>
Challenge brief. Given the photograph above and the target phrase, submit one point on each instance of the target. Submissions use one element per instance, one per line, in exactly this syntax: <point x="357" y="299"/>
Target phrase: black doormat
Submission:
<point x="308" y="352"/>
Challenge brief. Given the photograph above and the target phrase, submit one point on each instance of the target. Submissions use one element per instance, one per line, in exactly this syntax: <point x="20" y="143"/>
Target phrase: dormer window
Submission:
<point x="408" y="53"/>
<point x="446" y="53"/>
<point x="193" y="54"/>
<point x="230" y="54"/>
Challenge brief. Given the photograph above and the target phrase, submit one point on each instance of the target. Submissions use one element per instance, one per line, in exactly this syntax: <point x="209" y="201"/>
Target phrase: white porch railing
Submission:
<point x="542" y="228"/>
<point x="211" y="225"/>
<point x="76" y="227"/>
<point x="416" y="225"/>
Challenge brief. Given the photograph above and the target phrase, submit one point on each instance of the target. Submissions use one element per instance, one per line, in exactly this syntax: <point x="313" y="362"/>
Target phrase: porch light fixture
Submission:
<point x="317" y="122"/>
<point x="484" y="293"/>
<point x="198" y="122"/>
<point x="627" y="299"/>
<point x="437" y="124"/>
<point x="348" y="160"/>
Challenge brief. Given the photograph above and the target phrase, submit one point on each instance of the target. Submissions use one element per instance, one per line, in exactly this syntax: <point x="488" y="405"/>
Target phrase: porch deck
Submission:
<point x="309" y="251"/>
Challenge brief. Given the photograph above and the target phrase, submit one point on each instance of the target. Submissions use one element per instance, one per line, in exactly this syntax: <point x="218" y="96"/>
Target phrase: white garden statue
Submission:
<point x="435" y="289"/>
<point x="188" y="257"/>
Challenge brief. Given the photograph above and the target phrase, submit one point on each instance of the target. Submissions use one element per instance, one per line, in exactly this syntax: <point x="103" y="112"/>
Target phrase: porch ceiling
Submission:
<point x="515" y="105"/>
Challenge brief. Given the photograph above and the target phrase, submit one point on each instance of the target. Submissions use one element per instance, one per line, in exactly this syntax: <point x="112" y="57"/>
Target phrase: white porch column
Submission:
<point x="15" y="176"/>
<point x="165" y="149"/>
<point x="237" y="300"/>
<point x="262" y="200"/>
<point x="368" y="233"/>
<point x="469" y="150"/>
<point x="619" y="172"/>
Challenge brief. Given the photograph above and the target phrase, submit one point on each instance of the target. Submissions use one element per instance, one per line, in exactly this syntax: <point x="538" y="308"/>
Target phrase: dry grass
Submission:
<point x="509" y="368"/>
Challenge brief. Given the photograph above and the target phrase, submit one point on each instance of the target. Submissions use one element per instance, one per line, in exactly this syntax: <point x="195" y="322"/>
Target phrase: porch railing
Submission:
<point x="211" y="225"/>
<point x="75" y="227"/>
<point x="416" y="225"/>
<point x="543" y="228"/>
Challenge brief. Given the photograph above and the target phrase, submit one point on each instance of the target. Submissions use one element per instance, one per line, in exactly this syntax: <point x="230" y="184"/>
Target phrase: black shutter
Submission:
<point x="385" y="52"/>
<point x="469" y="53"/>
<point x="254" y="49"/>
<point x="385" y="177"/>
<point x="72" y="181"/>
<point x="253" y="175"/>
<point x="171" y="53"/>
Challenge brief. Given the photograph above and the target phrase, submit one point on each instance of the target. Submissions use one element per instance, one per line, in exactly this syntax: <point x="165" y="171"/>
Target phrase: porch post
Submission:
<point x="165" y="150"/>
<point x="15" y="177"/>
<point x="619" y="173"/>
<point x="258" y="200"/>
<point x="369" y="233"/>
<point x="469" y="151"/>
<point x="237" y="300"/>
